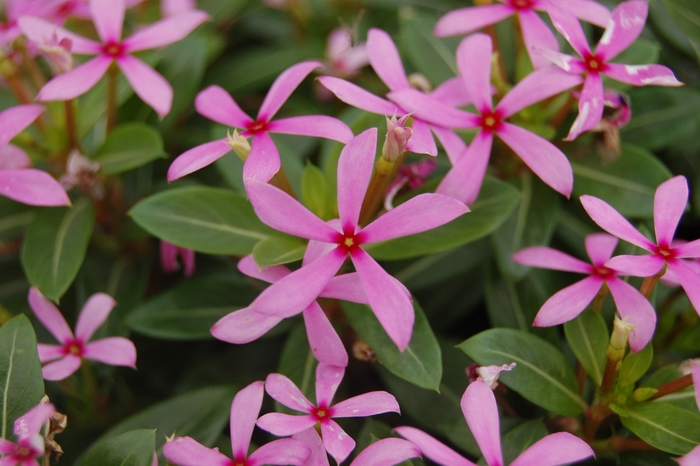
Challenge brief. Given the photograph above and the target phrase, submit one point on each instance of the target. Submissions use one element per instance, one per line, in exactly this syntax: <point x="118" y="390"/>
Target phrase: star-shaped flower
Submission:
<point x="30" y="441"/>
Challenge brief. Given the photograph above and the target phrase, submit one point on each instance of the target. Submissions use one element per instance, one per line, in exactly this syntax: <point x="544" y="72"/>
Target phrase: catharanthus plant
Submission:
<point x="30" y="440"/>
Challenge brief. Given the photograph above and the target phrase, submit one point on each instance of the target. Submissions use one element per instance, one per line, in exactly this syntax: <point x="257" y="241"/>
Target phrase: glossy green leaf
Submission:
<point x="666" y="427"/>
<point x="542" y="375"/>
<point x="278" y="249"/>
<point x="588" y="338"/>
<point x="211" y="220"/>
<point x="127" y="147"/>
<point x="55" y="246"/>
<point x="315" y="192"/>
<point x="635" y="365"/>
<point x="495" y="204"/>
<point x="420" y="363"/>
<point x="21" y="383"/>
<point x="134" y="448"/>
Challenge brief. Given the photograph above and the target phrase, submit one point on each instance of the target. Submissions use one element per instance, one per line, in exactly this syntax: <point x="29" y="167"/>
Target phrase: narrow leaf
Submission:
<point x="587" y="336"/>
<point x="278" y="249"/>
<point x="666" y="427"/>
<point x="134" y="448"/>
<point x="129" y="146"/>
<point x="635" y="365"/>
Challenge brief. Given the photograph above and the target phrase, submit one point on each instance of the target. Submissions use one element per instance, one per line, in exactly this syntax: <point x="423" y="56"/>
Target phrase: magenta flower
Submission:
<point x="670" y="200"/>
<point x="568" y="303"/>
<point x="536" y="33"/>
<point x="264" y="159"/>
<point x="175" y="7"/>
<point x="627" y="23"/>
<point x="62" y="360"/>
<point x="108" y="16"/>
<point x="328" y="378"/>
<point x="22" y="184"/>
<point x="185" y="451"/>
<point x="387" y="298"/>
<point x="464" y="180"/>
<point x="30" y="441"/>
<point x="344" y="58"/>
<point x="480" y="411"/>
<point x="168" y="258"/>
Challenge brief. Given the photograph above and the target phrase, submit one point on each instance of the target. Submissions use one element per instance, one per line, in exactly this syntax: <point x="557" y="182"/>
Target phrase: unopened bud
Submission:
<point x="239" y="144"/>
<point x="619" y="338"/>
<point x="397" y="136"/>
<point x="420" y="82"/>
<point x="643" y="394"/>
<point x="58" y="54"/>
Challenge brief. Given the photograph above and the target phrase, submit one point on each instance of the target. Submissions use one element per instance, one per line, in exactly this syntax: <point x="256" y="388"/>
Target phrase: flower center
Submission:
<point x="114" y="49"/>
<point x="258" y="126"/>
<point x="521" y="4"/>
<point x="348" y="241"/>
<point x="666" y="252"/>
<point x="603" y="272"/>
<point x="23" y="452"/>
<point x="321" y="413"/>
<point x="74" y="348"/>
<point x="239" y="462"/>
<point x="594" y="63"/>
<point x="490" y="120"/>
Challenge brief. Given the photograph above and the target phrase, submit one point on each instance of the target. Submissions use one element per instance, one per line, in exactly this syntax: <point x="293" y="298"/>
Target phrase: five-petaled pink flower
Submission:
<point x="264" y="159"/>
<point x="670" y="200"/>
<point x="62" y="360"/>
<point x="566" y="304"/>
<point x="387" y="298"/>
<point x="108" y="17"/>
<point x="480" y="411"/>
<point x="185" y="451"/>
<point x="626" y="24"/>
<point x="328" y="378"/>
<point x="30" y="441"/>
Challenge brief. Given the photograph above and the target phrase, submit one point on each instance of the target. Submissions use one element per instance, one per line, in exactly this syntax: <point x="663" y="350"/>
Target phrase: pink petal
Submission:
<point x="108" y="18"/>
<point x="535" y="87"/>
<point x="218" y="105"/>
<point x="554" y="450"/>
<point x="31" y="423"/>
<point x="454" y="145"/>
<point x="324" y="341"/>
<point x="565" y="62"/>
<point x="284" y="424"/>
<point x="62" y="368"/>
<point x="40" y="31"/>
<point x="536" y="34"/>
<point x="690" y="281"/>
<point x="94" y="313"/>
<point x="385" y="60"/>
<point x="337" y="442"/>
<point x="318" y="456"/>
<point x="589" y="11"/>
<point x="452" y="92"/>
<point x="367" y="404"/>
<point x="690" y="459"/>
<point x="637" y="266"/>
<point x="6" y="447"/>
<point x="600" y="247"/>
<point x="148" y="84"/>
<point x="474" y="63"/>
<point x="197" y="158"/>
<point x="49" y="316"/>
<point x="245" y="409"/>
<point x="670" y="200"/>
<point x="283" y="86"/>
<point x="354" y="95"/>
<point x="611" y="221"/>
<point x="318" y="126"/>
<point x="421" y="141"/>
<point x="434" y="112"/>
<point x="270" y="274"/>
<point x="387" y="299"/>
<point x="347" y="287"/>
<point x="282" y="212"/>
<point x="590" y="106"/>
<point x="282" y="451"/>
<point x="13" y="121"/>
<point x="354" y="172"/>
<point x="243" y="326"/>
<point x="431" y="448"/>
<point x="479" y="408"/>
<point x="687" y="250"/>
<point x="386" y="452"/>
<point x="115" y="351"/>
<point x="186" y="451"/>
<point x="546" y="160"/>
<point x="547" y="258"/>
<point x="12" y="157"/>
<point x="317" y="249"/>
<point x="33" y="187"/>
<point x="263" y="161"/>
<point x="50" y="352"/>
<point x="566" y="304"/>
<point x="569" y="27"/>
<point x="632" y="304"/>
<point x="463" y="181"/>
<point x="627" y="22"/>
<point x="328" y="380"/>
<point x="418" y="214"/>
<point x="75" y="82"/>
<point x="642" y="75"/>
<point x="165" y="31"/>
<point x="465" y="20"/>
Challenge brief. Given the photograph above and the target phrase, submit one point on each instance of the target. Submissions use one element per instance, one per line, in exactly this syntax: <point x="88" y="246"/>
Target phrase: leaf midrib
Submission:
<point x="213" y="226"/>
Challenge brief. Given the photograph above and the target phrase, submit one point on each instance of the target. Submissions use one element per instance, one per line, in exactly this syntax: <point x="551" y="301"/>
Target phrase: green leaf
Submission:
<point x="628" y="183"/>
<point x="129" y="146"/>
<point x="666" y="427"/>
<point x="55" y="246"/>
<point x="635" y="365"/>
<point x="686" y="14"/>
<point x="14" y="216"/>
<point x="134" y="448"/>
<point x="278" y="249"/>
<point x="21" y="383"/>
<point x="315" y="192"/>
<point x="495" y="203"/>
<point x="211" y="220"/>
<point x="588" y="338"/>
<point x="542" y="374"/>
<point x="420" y="363"/>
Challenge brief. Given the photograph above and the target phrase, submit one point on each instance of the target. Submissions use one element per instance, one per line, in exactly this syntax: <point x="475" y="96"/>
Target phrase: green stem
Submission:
<point x="70" y="124"/>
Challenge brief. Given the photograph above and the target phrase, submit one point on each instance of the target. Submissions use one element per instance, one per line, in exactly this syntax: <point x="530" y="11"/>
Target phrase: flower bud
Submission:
<point x="239" y="144"/>
<point x="397" y="137"/>
<point x="58" y="54"/>
<point x="619" y="338"/>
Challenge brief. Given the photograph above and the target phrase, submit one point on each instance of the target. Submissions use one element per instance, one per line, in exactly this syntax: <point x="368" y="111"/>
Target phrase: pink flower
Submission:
<point x="670" y="200"/>
<point x="62" y="360"/>
<point x="480" y="411"/>
<point x="536" y="33"/>
<point x="25" y="185"/>
<point x="387" y="298"/>
<point x="464" y="180"/>
<point x="328" y="378"/>
<point x="344" y="58"/>
<point x="627" y="22"/>
<point x="61" y="10"/>
<point x="568" y="303"/>
<point x="264" y="160"/>
<point x="174" y="7"/>
<point x="168" y="258"/>
<point x="30" y="441"/>
<point x="108" y="16"/>
<point x="185" y="451"/>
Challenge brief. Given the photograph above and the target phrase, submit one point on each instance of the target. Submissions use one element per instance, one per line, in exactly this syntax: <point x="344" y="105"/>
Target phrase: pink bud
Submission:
<point x="397" y="136"/>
